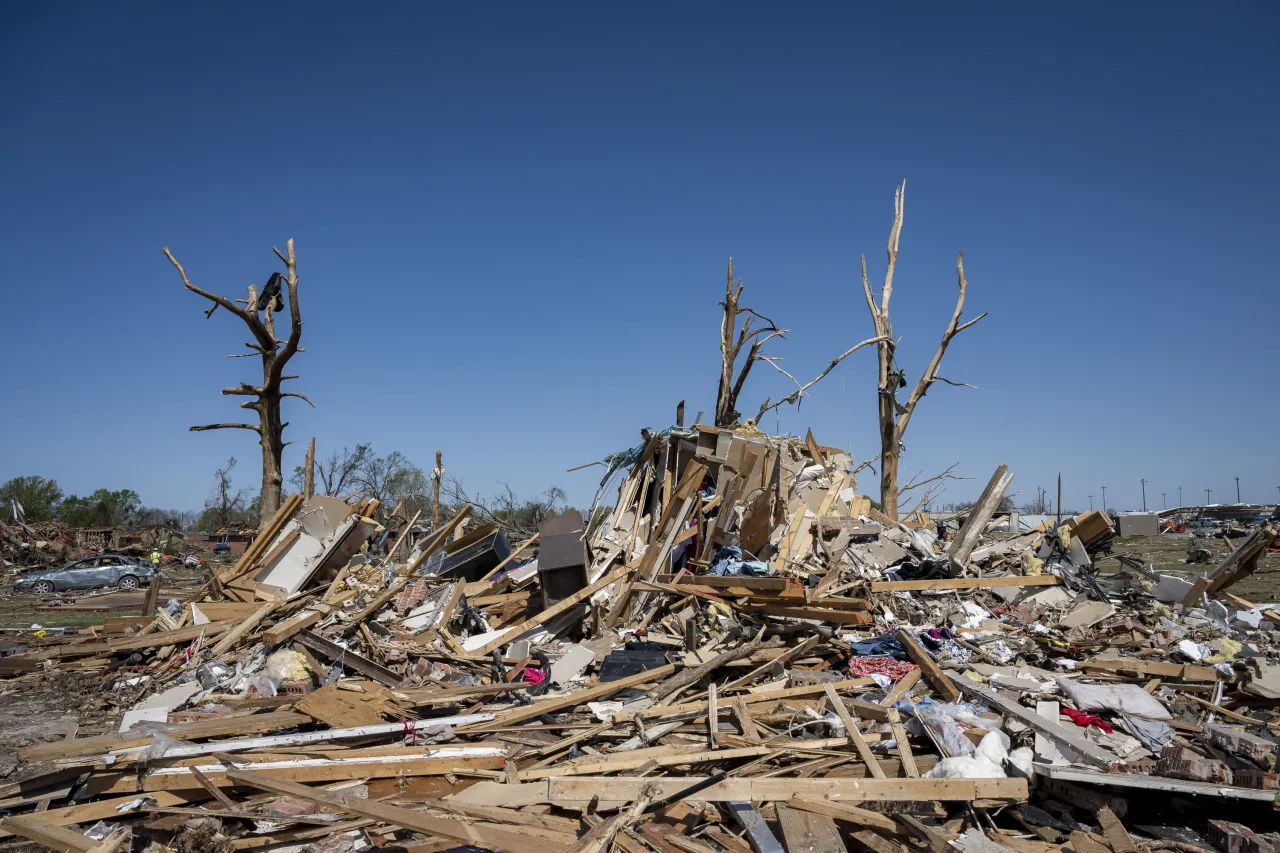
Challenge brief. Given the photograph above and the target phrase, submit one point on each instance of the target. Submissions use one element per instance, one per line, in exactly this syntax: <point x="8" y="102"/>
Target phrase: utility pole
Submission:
<point x="436" y="474"/>
<point x="1104" y="498"/>
<point x="1179" y="496"/>
<point x="1207" y="493"/>
<point x="1237" y="490"/>
<point x="1164" y="500"/>
<point x="1059" y="497"/>
<point x="1144" y="495"/>
<point x="1091" y="501"/>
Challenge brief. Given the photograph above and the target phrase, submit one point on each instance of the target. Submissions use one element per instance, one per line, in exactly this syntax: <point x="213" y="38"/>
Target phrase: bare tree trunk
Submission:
<point x="275" y="354"/>
<point x="309" y="471"/>
<point x="894" y="416"/>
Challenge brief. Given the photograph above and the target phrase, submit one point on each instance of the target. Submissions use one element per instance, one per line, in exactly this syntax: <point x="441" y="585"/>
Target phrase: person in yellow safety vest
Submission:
<point x="155" y="560"/>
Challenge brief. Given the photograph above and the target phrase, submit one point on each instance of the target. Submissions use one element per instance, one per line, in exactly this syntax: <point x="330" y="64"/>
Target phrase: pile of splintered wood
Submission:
<point x="753" y="659"/>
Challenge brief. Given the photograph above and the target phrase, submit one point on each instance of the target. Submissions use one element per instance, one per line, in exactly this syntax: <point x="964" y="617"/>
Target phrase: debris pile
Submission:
<point x="743" y="654"/>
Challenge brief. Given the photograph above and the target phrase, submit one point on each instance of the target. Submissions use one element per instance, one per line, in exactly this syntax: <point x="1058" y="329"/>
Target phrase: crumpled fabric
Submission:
<point x="728" y="561"/>
<point x="533" y="676"/>
<point x="1083" y="720"/>
<point x="886" y="646"/>
<point x="1152" y="734"/>
<point x="864" y="667"/>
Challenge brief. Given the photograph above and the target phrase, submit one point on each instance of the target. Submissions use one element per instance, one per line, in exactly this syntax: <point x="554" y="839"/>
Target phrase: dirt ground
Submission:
<point x="1168" y="555"/>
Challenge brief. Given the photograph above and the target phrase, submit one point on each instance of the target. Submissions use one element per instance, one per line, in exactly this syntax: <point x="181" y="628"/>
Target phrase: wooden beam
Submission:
<point x="41" y="832"/>
<point x="808" y="832"/>
<point x="851" y="729"/>
<point x="579" y="697"/>
<point x="844" y="812"/>
<point x="437" y="540"/>
<point x="933" y="673"/>
<point x="1087" y="750"/>
<point x="979" y="514"/>
<point x="904" y="748"/>
<point x="234" y="636"/>
<point x="965" y="583"/>
<point x="360" y="664"/>
<point x="466" y="830"/>
<point x="281" y="631"/>
<point x="756" y="789"/>
<point x="522" y="547"/>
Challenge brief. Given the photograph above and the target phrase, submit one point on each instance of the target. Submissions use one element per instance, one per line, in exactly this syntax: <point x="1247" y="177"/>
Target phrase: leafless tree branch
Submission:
<point x="253" y="427"/>
<point x="299" y="396"/>
<point x="796" y="395"/>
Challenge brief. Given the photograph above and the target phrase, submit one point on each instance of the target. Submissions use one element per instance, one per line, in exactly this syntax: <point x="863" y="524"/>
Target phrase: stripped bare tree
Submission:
<point x="258" y="314"/>
<point x="893" y="415"/>
<point x="732" y="340"/>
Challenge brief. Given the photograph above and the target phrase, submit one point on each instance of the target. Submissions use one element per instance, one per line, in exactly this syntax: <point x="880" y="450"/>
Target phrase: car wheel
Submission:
<point x="42" y="587"/>
<point x="128" y="583"/>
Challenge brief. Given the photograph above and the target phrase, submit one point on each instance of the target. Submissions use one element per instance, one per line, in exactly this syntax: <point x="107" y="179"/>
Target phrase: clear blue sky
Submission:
<point x="512" y="222"/>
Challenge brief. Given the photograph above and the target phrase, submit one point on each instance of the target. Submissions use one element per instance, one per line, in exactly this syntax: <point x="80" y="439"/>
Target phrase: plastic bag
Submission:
<point x="160" y="744"/>
<point x="211" y="674"/>
<point x="263" y="684"/>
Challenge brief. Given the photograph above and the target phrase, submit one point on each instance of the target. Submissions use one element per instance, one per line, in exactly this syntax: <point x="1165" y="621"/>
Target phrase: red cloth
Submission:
<point x="533" y="676"/>
<point x="1083" y="720"/>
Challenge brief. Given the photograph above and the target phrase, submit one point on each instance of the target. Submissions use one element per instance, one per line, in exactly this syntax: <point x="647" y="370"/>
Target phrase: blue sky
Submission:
<point x="512" y="222"/>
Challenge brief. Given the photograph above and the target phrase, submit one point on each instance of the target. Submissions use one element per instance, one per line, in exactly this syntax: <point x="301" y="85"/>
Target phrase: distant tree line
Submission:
<point x="390" y="478"/>
<point x="41" y="499"/>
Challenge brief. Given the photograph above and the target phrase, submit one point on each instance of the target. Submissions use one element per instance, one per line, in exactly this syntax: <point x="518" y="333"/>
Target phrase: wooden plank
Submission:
<point x="965" y="583"/>
<point x="520" y="549"/>
<point x="348" y="658"/>
<point x="979" y="514"/>
<point x="41" y="832"/>
<point x="109" y="809"/>
<point x="233" y="636"/>
<point x="728" y="582"/>
<point x="295" y="769"/>
<point x="1148" y="668"/>
<point x="842" y="617"/>
<point x="749" y="730"/>
<point x="756" y="789"/>
<point x="551" y="612"/>
<point x="904" y="747"/>
<point x="1086" y="749"/>
<point x="466" y="830"/>
<point x="1117" y="836"/>
<point x="791" y="654"/>
<point x="851" y="729"/>
<point x="808" y="832"/>
<point x="579" y="697"/>
<point x="749" y="698"/>
<point x="249" y="559"/>
<point x="663" y="756"/>
<point x="933" y="673"/>
<point x="281" y="631"/>
<point x="844" y="812"/>
<point x="436" y="541"/>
